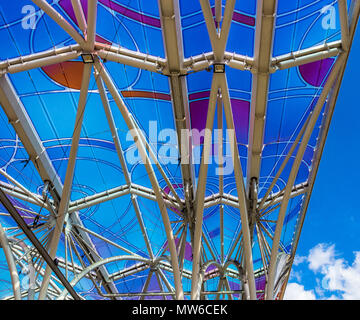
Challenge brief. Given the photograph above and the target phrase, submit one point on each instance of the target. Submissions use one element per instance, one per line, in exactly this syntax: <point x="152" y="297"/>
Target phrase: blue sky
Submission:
<point x="326" y="264"/>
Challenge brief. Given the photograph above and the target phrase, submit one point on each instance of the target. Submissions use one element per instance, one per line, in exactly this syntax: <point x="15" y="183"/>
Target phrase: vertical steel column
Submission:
<point x="221" y="170"/>
<point x="200" y="192"/>
<point x="173" y="44"/>
<point x="264" y="33"/>
<point x="240" y="187"/>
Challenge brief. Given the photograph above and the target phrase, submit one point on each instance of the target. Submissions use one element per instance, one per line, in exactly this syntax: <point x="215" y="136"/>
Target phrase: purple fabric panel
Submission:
<point x="66" y="5"/>
<point x="188" y="249"/>
<point x="167" y="189"/>
<point x="198" y="113"/>
<point x="211" y="267"/>
<point x="239" y="17"/>
<point x="136" y="285"/>
<point x="244" y="19"/>
<point x="154" y="287"/>
<point x="199" y="95"/>
<point x="240" y="109"/>
<point x="131" y="13"/>
<point x="234" y="286"/>
<point x="314" y="73"/>
<point x="260" y="284"/>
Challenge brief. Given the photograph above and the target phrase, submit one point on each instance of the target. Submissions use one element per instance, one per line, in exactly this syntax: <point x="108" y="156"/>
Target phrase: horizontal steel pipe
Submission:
<point x="321" y="55"/>
<point x="98" y="198"/>
<point x="33" y="64"/>
<point x="39" y="55"/>
<point x="307" y="51"/>
<point x="129" y="61"/>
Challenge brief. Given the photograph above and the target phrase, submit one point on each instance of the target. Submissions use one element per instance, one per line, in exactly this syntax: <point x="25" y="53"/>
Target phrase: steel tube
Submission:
<point x="225" y="28"/>
<point x="95" y="265"/>
<point x="97" y="198"/>
<point x="65" y="197"/>
<point x="306" y="52"/>
<point x="91" y="25"/>
<point x="240" y="187"/>
<point x="293" y="173"/>
<point x="344" y="24"/>
<point x="213" y="35"/>
<point x="121" y="157"/>
<point x="39" y="201"/>
<point x="39" y="55"/>
<point x="79" y="14"/>
<point x="201" y="185"/>
<point x="307" y="59"/>
<point x="129" y="61"/>
<point x="264" y="34"/>
<point x="142" y="150"/>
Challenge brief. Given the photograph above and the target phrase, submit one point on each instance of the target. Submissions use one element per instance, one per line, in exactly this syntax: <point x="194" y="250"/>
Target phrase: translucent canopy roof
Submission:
<point x="104" y="153"/>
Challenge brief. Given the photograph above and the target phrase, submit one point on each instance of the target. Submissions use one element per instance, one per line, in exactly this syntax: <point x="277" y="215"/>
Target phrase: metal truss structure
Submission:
<point x="37" y="245"/>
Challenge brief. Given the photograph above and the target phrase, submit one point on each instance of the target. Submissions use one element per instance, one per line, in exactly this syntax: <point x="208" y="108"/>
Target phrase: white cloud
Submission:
<point x="340" y="276"/>
<point x="320" y="256"/>
<point x="336" y="277"/>
<point x="295" y="291"/>
<point x="299" y="259"/>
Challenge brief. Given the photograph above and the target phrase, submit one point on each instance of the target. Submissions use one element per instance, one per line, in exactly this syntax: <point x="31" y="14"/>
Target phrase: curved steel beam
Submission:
<point x="95" y="265"/>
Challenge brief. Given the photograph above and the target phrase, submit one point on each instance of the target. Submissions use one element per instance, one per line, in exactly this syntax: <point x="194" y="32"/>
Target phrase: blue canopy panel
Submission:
<point x="305" y="23"/>
<point x="194" y="28"/>
<point x="14" y="159"/>
<point x="50" y="96"/>
<point x="293" y="94"/>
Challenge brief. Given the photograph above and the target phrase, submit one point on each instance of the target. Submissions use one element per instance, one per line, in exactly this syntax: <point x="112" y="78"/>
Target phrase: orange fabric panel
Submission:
<point x="67" y="74"/>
